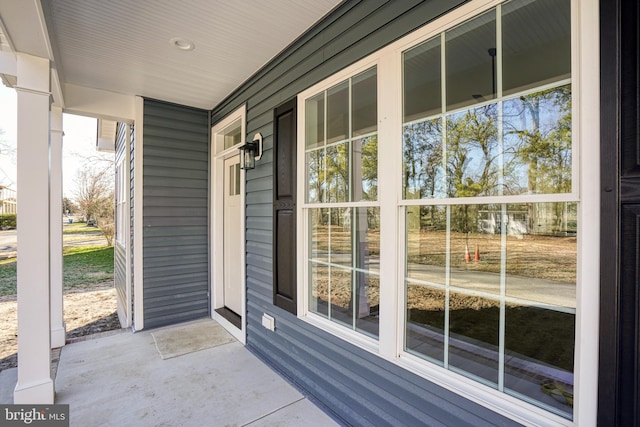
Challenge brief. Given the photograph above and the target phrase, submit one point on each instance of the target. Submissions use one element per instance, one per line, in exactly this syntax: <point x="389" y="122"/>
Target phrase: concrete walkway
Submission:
<point x="121" y="380"/>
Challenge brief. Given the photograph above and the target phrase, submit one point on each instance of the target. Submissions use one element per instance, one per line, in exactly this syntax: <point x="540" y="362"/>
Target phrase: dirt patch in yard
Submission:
<point x="86" y="312"/>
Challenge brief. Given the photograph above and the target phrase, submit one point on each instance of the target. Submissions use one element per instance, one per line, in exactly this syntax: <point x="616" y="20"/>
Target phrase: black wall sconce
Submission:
<point x="250" y="152"/>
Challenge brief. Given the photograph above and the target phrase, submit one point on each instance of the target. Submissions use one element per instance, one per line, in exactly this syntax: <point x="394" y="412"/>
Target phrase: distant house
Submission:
<point x="441" y="224"/>
<point x="7" y="200"/>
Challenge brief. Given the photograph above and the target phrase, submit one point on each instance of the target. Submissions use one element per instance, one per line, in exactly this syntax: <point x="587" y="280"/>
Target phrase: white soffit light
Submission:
<point x="182" y="43"/>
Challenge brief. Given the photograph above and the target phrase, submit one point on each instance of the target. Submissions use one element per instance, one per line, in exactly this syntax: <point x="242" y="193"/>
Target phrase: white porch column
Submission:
<point x="35" y="385"/>
<point x="58" y="328"/>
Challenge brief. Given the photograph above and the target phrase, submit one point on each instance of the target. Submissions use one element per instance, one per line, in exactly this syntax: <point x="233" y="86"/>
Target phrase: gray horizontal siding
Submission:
<point x="175" y="214"/>
<point x="360" y="388"/>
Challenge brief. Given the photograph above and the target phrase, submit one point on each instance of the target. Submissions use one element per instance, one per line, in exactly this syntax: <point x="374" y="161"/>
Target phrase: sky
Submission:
<point x="78" y="143"/>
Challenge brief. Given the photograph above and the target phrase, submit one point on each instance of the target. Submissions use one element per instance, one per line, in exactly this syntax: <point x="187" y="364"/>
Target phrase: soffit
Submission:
<point x="124" y="46"/>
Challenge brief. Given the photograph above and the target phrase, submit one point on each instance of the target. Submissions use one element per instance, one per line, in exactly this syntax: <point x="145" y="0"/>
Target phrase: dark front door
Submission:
<point x="284" y="207"/>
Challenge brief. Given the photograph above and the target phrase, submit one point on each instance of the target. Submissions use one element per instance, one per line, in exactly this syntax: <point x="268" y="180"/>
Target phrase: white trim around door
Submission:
<point x="226" y="137"/>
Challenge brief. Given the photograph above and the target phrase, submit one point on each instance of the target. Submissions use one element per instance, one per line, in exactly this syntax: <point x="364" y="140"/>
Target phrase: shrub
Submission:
<point x="7" y="221"/>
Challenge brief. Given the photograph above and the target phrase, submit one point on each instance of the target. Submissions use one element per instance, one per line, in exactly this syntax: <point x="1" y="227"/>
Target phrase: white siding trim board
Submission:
<point x="138" y="191"/>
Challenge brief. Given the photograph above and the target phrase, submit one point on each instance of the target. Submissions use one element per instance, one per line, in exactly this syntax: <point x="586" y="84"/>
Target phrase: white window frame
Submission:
<point x="586" y="182"/>
<point x="369" y="343"/>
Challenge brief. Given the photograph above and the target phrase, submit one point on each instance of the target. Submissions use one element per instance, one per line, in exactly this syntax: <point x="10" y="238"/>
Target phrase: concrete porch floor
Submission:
<point x="121" y="380"/>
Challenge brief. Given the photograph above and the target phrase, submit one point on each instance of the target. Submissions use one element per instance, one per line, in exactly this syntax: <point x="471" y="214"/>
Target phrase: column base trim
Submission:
<point x="59" y="337"/>
<point x="35" y="393"/>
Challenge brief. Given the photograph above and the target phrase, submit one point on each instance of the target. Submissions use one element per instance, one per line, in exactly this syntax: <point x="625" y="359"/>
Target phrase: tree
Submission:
<point x="105" y="217"/>
<point x="422" y="154"/>
<point x="68" y="206"/>
<point x="538" y="134"/>
<point x="7" y="151"/>
<point x="94" y="197"/>
<point x="472" y="162"/>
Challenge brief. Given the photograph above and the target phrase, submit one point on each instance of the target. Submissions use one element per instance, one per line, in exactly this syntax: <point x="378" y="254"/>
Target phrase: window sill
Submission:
<point x="352" y="337"/>
<point x="475" y="391"/>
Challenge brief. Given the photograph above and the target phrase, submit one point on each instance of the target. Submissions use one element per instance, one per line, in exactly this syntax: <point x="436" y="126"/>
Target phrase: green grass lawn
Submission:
<point x="79" y="228"/>
<point x="83" y="268"/>
<point x="8" y="277"/>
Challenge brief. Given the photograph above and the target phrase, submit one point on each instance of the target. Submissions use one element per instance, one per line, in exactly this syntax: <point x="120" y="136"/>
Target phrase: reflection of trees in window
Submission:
<point x="343" y="172"/>
<point x="537" y="134"/>
<point x="368" y="152"/>
<point x="536" y="149"/>
<point x="422" y="153"/>
<point x="337" y="173"/>
<point x="315" y="176"/>
<point x="472" y="152"/>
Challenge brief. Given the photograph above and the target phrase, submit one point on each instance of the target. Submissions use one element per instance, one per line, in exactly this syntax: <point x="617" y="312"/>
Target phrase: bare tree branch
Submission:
<point x="94" y="196"/>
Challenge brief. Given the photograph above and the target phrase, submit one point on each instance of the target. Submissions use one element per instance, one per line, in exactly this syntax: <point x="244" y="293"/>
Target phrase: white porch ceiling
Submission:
<point x="123" y="46"/>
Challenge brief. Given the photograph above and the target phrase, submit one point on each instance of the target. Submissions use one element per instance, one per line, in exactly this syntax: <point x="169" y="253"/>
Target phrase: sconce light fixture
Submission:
<point x="250" y="152"/>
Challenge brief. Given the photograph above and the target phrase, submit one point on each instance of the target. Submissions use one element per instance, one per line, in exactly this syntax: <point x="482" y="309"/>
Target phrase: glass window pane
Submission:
<point x="536" y="43"/>
<point x="473" y="152"/>
<point x="367" y="238"/>
<point x="422" y="160"/>
<point x="340" y="248"/>
<point x="319" y="235"/>
<point x="422" y="90"/>
<point x="342" y="295"/>
<point x="319" y="295"/>
<point x="315" y="176"/>
<point x="541" y="282"/>
<point x="364" y="103"/>
<point x="232" y="180"/>
<point x="365" y="168"/>
<point x="337" y="173"/>
<point x="426" y="243"/>
<point x="232" y="134"/>
<point x="470" y="53"/>
<point x="537" y="142"/>
<point x="426" y="238"/>
<point x="425" y="321"/>
<point x="367" y="258"/>
<point x="474" y="325"/>
<point x="539" y="349"/>
<point x="542" y="253"/>
<point x="475" y="249"/>
<point x="368" y="303"/>
<point x="314" y="121"/>
<point x="237" y="178"/>
<point x="338" y="113"/>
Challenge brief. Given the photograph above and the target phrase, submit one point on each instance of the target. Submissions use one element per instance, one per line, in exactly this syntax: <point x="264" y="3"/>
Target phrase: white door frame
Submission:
<point x="218" y="156"/>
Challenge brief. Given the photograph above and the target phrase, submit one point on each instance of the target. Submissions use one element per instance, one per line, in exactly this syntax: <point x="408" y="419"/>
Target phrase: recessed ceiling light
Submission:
<point x="182" y="44"/>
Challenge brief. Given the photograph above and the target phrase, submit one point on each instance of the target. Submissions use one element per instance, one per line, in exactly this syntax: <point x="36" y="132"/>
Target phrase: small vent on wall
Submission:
<point x="269" y="322"/>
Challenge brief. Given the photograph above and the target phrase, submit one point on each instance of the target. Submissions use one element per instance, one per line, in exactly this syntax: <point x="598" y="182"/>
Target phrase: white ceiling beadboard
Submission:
<point x="124" y="46"/>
